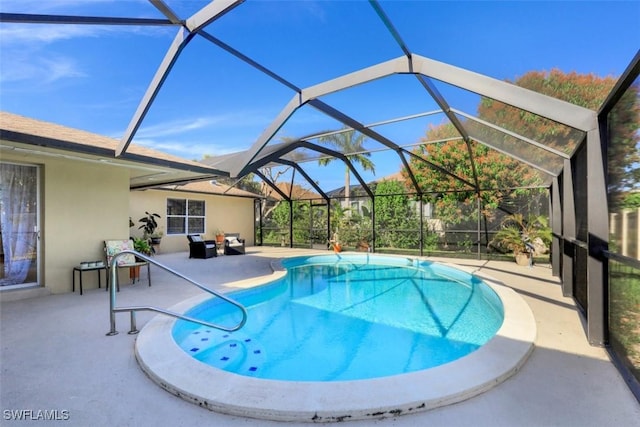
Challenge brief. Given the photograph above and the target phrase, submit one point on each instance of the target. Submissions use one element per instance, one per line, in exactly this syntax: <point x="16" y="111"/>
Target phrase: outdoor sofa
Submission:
<point x="233" y="244"/>
<point x="200" y="248"/>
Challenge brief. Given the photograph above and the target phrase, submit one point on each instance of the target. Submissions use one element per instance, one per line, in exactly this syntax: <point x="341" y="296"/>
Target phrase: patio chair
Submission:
<point x="114" y="247"/>
<point x="200" y="248"/>
<point x="233" y="244"/>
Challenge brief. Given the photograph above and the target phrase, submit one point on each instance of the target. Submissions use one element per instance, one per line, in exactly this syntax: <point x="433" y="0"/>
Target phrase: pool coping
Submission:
<point x="182" y="375"/>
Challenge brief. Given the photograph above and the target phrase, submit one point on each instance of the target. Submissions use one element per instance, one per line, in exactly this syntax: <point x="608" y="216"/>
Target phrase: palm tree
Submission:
<point x="352" y="145"/>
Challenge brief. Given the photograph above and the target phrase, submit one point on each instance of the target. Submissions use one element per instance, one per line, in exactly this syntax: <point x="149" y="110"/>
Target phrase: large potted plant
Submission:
<point x="524" y="237"/>
<point x="150" y="228"/>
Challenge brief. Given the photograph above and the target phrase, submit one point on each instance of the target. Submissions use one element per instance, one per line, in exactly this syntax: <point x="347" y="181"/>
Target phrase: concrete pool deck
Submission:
<point x="55" y="357"/>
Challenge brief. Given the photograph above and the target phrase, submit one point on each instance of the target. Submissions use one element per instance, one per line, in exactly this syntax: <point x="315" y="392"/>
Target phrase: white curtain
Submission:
<point x="18" y="220"/>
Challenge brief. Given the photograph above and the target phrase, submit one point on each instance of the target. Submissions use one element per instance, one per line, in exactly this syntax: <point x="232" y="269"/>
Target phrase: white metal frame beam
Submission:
<point x="542" y="105"/>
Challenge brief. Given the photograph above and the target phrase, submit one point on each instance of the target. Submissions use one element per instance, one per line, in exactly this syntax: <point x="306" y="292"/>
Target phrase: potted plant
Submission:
<point x="219" y="236"/>
<point x="522" y="236"/>
<point x="149" y="227"/>
<point x="335" y="244"/>
<point x="142" y="246"/>
<point x="156" y="237"/>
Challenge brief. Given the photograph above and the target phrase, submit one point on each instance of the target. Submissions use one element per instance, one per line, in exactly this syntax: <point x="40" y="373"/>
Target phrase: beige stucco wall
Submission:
<point x="231" y="214"/>
<point x="81" y="205"/>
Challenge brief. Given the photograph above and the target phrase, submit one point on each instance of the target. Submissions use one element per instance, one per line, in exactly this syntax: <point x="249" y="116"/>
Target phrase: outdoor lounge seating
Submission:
<point x="233" y="244"/>
<point x="114" y="247"/>
<point x="200" y="248"/>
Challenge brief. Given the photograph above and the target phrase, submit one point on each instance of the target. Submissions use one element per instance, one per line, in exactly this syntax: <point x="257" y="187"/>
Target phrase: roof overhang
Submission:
<point x="145" y="170"/>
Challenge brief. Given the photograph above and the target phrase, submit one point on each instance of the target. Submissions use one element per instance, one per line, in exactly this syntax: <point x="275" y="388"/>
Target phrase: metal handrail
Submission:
<point x="132" y="309"/>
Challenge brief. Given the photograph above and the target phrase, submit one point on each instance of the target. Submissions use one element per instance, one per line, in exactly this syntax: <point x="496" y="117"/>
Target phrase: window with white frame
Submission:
<point x="185" y="216"/>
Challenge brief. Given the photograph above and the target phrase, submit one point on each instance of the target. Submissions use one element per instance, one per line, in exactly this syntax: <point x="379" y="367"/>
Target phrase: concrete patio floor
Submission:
<point x="55" y="357"/>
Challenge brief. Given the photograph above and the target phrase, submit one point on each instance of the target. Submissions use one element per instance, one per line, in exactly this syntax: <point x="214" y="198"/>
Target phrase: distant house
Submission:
<point x="64" y="192"/>
<point x="295" y="192"/>
<point x="358" y="197"/>
<point x="201" y="207"/>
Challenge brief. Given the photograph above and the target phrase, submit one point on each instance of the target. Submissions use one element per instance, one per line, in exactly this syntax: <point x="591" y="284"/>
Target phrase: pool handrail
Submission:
<point x="113" y="272"/>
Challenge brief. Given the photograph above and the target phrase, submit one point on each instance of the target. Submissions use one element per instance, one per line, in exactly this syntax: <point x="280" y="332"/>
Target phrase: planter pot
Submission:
<point x="523" y="258"/>
<point x="363" y="247"/>
<point x="220" y="238"/>
<point x="134" y="273"/>
<point x="156" y="240"/>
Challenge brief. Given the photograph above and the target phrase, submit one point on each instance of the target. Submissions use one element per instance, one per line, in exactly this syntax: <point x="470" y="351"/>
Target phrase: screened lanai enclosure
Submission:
<point x="396" y="152"/>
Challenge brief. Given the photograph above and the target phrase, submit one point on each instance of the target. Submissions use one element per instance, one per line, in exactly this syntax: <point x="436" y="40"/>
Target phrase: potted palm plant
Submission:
<point x="519" y="236"/>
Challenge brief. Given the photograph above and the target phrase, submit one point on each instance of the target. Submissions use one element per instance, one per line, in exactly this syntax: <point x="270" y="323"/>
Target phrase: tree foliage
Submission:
<point x="497" y="171"/>
<point x="449" y="192"/>
<point x="623" y="152"/>
<point x="351" y="225"/>
<point x="351" y="143"/>
<point x="631" y="201"/>
<point x="396" y="217"/>
<point x="586" y="90"/>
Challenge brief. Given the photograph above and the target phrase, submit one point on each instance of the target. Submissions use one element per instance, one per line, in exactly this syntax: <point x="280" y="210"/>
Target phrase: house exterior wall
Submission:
<point x="230" y="214"/>
<point x="81" y="205"/>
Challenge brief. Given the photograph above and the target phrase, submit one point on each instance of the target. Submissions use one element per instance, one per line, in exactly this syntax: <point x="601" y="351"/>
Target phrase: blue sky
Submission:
<point x="93" y="77"/>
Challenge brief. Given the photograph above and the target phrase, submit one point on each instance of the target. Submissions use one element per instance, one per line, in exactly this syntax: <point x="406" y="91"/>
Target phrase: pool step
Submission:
<point x="229" y="351"/>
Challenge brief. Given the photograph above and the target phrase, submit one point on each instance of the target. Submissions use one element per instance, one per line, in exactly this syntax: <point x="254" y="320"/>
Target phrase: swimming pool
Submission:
<point x="347" y="318"/>
<point x="216" y="389"/>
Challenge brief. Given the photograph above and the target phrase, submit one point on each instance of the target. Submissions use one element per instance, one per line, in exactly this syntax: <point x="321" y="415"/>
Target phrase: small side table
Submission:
<point x="81" y="270"/>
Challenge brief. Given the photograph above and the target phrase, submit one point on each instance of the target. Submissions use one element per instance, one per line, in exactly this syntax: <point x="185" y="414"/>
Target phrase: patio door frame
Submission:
<point x="38" y="228"/>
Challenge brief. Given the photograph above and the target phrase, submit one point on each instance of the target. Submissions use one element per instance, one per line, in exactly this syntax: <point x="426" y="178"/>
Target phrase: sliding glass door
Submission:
<point x="19" y="225"/>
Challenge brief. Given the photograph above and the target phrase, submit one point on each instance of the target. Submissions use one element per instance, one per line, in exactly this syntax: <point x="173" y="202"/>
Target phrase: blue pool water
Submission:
<point x="338" y="318"/>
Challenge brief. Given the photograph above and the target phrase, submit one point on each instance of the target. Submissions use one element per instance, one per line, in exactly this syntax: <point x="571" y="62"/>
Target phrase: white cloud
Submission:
<point x="60" y="68"/>
<point x="242" y="120"/>
<point x="188" y="150"/>
<point x="178" y="126"/>
<point x="16" y="34"/>
<point x="13" y="35"/>
<point x="40" y="70"/>
<point x="194" y="137"/>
